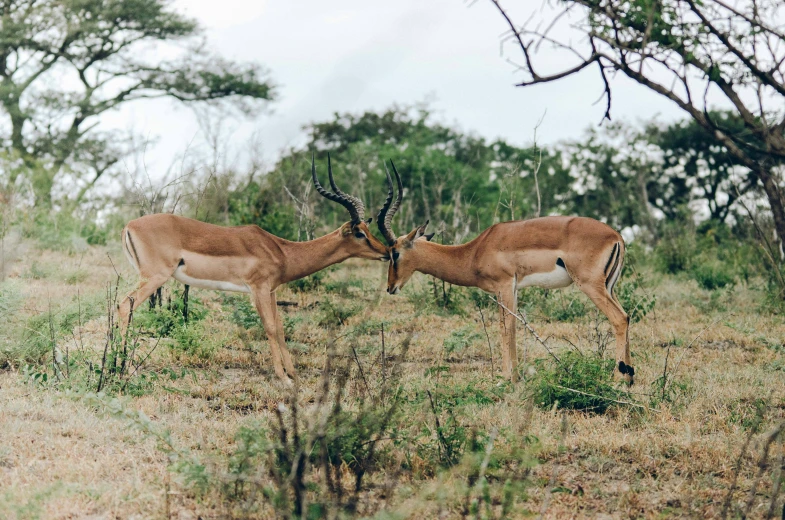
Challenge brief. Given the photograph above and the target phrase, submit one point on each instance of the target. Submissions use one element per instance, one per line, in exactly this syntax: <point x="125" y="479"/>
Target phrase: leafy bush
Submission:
<point x="164" y="320"/>
<point x="343" y="287"/>
<point x="675" y="251"/>
<point x="634" y="299"/>
<point x="309" y="283"/>
<point x="243" y="312"/>
<point x="429" y="294"/>
<point x="576" y="382"/>
<point x="191" y="340"/>
<point x="332" y="314"/>
<point x="713" y="274"/>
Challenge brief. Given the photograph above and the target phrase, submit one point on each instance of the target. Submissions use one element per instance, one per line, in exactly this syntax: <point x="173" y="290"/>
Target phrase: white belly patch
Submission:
<point x="216" y="285"/>
<point x="552" y="280"/>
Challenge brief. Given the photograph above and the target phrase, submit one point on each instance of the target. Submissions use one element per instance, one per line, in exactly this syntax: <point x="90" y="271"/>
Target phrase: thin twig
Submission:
<point x="630" y="403"/>
<point x="520" y="318"/>
<point x="488" y="337"/>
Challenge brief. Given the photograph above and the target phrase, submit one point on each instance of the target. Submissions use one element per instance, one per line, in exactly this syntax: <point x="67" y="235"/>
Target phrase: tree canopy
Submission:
<point x="682" y="50"/>
<point x="63" y="63"/>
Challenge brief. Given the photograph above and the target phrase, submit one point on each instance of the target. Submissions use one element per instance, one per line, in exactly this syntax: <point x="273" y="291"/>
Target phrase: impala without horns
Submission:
<point x="550" y="252"/>
<point x="242" y="259"/>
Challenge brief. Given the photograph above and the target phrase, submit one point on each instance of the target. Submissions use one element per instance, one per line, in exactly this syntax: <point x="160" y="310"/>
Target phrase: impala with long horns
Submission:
<point x="241" y="259"/>
<point x="550" y="252"/>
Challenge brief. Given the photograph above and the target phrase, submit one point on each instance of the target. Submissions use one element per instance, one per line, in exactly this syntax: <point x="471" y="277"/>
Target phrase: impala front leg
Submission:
<point x="279" y="332"/>
<point x="508" y="300"/>
<point x="264" y="300"/>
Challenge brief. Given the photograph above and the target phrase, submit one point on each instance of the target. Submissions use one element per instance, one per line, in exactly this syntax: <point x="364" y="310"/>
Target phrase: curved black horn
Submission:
<point x="384" y="219"/>
<point x="356" y="211"/>
<point x="358" y="205"/>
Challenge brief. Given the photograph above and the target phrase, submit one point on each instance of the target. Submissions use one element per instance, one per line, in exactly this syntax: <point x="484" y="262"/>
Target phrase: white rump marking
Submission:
<point x="555" y="279"/>
<point x="216" y="285"/>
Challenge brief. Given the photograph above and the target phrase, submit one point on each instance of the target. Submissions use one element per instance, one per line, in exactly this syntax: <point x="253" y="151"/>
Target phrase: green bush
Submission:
<point x="309" y="283"/>
<point x="242" y="311"/>
<point x="163" y="320"/>
<point x="429" y="294"/>
<point x="333" y="314"/>
<point x="576" y="382"/>
<point x="192" y="340"/>
<point x="713" y="274"/>
<point x="634" y="299"/>
<point x="674" y="252"/>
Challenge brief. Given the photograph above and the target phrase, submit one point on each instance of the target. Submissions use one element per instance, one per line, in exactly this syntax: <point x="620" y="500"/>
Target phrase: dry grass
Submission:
<point x="61" y="458"/>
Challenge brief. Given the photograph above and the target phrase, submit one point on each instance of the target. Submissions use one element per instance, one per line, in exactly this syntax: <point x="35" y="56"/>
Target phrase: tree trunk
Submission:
<point x="776" y="200"/>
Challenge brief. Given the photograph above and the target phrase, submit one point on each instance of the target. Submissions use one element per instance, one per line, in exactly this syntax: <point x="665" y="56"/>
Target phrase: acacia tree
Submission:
<point x="63" y="63"/>
<point x="683" y="50"/>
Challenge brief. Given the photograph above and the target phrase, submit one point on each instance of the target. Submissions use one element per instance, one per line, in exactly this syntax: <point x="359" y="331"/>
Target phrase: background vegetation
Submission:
<point x="399" y="410"/>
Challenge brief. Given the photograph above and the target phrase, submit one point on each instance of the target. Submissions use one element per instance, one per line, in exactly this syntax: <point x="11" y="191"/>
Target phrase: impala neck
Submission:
<point x="304" y="258"/>
<point x="449" y="263"/>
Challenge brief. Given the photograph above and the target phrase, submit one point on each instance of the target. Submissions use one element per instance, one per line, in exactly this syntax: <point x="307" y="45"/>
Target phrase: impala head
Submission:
<point x="358" y="240"/>
<point x="403" y="251"/>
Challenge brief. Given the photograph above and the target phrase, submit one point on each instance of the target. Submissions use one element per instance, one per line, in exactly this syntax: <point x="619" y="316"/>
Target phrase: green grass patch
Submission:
<point x="576" y="382"/>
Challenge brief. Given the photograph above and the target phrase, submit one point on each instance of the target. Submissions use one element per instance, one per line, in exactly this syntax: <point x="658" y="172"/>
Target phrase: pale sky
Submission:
<point x="357" y="55"/>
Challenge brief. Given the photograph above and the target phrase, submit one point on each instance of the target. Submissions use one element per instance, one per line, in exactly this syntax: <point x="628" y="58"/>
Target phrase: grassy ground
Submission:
<point x="66" y="452"/>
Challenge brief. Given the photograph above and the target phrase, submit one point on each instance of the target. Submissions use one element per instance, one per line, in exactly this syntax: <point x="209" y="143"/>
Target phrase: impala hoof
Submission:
<point x="625" y="372"/>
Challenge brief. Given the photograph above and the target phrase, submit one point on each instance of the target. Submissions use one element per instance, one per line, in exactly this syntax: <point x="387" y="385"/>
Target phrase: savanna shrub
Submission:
<point x="565" y="383"/>
<point x="171" y="315"/>
<point x="713" y="274"/>
<point x="634" y="299"/>
<point x="309" y="283"/>
<point x="243" y="312"/>
<point x="332" y="314"/>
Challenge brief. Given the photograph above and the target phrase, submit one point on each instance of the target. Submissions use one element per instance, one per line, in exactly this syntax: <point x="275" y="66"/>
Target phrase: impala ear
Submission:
<point x="429" y="236"/>
<point x="420" y="231"/>
<point x="369" y="220"/>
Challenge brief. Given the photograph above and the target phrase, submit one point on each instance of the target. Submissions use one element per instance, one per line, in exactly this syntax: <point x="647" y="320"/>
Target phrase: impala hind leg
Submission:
<point x="144" y="290"/>
<point x="621" y="328"/>
<point x="264" y="300"/>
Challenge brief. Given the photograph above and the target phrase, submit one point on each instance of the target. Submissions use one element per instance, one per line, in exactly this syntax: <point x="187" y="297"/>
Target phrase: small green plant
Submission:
<point x="636" y="301"/>
<point x="461" y="339"/>
<point x="576" y="382"/>
<point x="333" y="314"/>
<point x="343" y="287"/>
<point x="308" y="283"/>
<point x="191" y="340"/>
<point x="713" y="274"/>
<point x="435" y="296"/>
<point x="164" y="320"/>
<point x="243" y="312"/>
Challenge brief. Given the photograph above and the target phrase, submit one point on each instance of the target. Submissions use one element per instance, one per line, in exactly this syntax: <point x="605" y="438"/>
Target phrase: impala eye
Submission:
<point x="395" y="255"/>
<point x="359" y="235"/>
